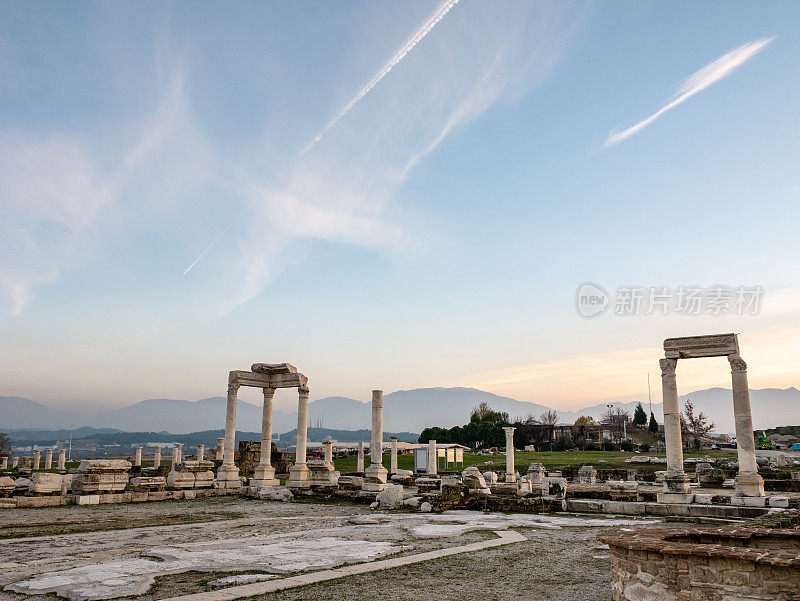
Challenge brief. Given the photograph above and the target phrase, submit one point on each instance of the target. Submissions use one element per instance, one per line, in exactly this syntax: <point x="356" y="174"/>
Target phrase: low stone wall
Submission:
<point x="704" y="564"/>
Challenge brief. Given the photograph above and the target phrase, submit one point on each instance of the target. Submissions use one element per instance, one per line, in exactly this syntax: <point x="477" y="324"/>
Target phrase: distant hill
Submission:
<point x="404" y="411"/>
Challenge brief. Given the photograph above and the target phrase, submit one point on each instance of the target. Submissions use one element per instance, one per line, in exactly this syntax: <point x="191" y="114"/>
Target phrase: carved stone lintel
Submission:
<point x="668" y="365"/>
<point x="737" y="363"/>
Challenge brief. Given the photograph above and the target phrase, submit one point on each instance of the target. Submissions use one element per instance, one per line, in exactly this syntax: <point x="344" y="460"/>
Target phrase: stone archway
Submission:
<point x="749" y="485"/>
<point x="268" y="377"/>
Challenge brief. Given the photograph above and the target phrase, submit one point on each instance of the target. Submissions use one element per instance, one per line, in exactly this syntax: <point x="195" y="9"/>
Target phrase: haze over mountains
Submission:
<point x="404" y="410"/>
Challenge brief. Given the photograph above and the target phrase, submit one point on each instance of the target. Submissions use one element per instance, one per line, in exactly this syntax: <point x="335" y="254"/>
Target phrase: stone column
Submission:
<point x="511" y="474"/>
<point x="375" y="474"/>
<point x="48" y="459"/>
<point x="201" y="452"/>
<point x="37" y="459"/>
<point x="157" y="457"/>
<point x="4" y="463"/>
<point x="14" y="462"/>
<point x="264" y="474"/>
<point x="393" y="456"/>
<point x="360" y="461"/>
<point x="62" y="460"/>
<point x="299" y="476"/>
<point x="220" y="448"/>
<point x="228" y="472"/>
<point x="137" y="460"/>
<point x="176" y="454"/>
<point x="327" y="452"/>
<point x="748" y="482"/>
<point x="676" y="483"/>
<point x="433" y="458"/>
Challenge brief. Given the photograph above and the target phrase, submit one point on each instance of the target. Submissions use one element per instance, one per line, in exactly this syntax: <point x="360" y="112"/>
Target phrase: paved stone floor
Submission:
<point x="267" y="541"/>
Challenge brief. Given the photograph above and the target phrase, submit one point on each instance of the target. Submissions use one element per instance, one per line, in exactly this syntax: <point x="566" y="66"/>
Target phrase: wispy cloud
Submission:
<point x="697" y="82"/>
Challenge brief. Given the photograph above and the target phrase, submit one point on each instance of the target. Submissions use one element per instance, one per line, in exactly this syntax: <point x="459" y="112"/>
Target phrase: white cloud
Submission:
<point x="697" y="82"/>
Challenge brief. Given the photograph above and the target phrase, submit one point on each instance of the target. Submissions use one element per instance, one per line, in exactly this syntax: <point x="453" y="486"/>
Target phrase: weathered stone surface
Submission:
<point x="350" y="482"/>
<point x="536" y="471"/>
<point x="45" y="483"/>
<point x="490" y="477"/>
<point x="554" y="487"/>
<point x="272" y="493"/>
<point x="146" y="483"/>
<point x="7" y="486"/>
<point x="86" y="483"/>
<point x="587" y="474"/>
<point x="428" y="484"/>
<point x="390" y="497"/>
<point x="474" y="480"/>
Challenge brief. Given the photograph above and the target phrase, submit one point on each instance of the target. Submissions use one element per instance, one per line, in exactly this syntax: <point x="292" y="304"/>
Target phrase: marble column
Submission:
<point x="748" y="482"/>
<point x="327" y="452"/>
<point x="299" y="475"/>
<point x="14" y="462"/>
<point x="220" y="448"/>
<point x="393" y="456"/>
<point x="433" y="458"/>
<point x="676" y="482"/>
<point x="177" y="454"/>
<point x="264" y="474"/>
<point x="62" y="460"/>
<point x="37" y="459"/>
<point x="511" y="474"/>
<point x="360" y="461"/>
<point x="201" y="452"/>
<point x="228" y="472"/>
<point x="48" y="459"/>
<point x="157" y="457"/>
<point x="4" y="463"/>
<point x="137" y="460"/>
<point x="376" y="475"/>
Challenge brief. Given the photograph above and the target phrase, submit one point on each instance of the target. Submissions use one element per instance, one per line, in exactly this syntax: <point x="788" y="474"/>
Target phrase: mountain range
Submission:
<point x="404" y="410"/>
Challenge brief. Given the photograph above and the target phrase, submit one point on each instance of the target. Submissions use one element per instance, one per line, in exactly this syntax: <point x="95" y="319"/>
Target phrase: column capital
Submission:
<point x="268" y="392"/>
<point x="737" y="363"/>
<point x="302" y="390"/>
<point x="668" y="366"/>
<point x="233" y="388"/>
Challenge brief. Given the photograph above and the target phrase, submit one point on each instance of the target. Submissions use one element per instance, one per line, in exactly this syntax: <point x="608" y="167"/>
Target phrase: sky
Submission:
<point x="394" y="195"/>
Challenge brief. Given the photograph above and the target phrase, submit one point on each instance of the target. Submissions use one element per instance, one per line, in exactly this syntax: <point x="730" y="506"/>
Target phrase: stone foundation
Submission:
<point x="704" y="564"/>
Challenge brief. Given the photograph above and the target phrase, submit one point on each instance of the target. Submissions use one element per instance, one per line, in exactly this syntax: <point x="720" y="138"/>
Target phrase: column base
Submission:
<point x="228" y="477"/>
<point x="299" y="476"/>
<point x="377" y="472"/>
<point x="749" y="485"/>
<point x="677" y="483"/>
<point x="264" y="475"/>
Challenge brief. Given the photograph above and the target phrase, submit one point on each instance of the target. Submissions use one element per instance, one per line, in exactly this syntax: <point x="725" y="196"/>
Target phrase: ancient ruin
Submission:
<point x="749" y="485"/>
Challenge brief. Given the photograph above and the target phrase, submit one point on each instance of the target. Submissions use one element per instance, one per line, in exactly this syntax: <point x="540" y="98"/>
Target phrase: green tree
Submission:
<point x="639" y="416"/>
<point x="653" y="427"/>
<point x="5" y="445"/>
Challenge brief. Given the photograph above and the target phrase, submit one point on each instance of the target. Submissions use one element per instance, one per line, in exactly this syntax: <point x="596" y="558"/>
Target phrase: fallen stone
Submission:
<point x="391" y="496"/>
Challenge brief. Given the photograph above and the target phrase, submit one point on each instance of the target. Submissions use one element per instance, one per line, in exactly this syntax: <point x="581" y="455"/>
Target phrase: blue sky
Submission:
<point x="435" y="235"/>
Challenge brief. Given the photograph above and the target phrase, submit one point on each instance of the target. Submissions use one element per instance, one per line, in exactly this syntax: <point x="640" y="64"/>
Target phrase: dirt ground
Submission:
<point x="560" y="559"/>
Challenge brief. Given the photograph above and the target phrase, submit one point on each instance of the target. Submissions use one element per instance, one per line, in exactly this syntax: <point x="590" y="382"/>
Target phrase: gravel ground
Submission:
<point x="560" y="563"/>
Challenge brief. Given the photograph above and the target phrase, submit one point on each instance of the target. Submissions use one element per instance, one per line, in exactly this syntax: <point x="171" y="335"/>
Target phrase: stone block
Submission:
<point x="587" y="474"/>
<point x="675" y="497"/>
<point x="145" y="483"/>
<point x="45" y="483"/>
<point x="554" y="487"/>
<point x="748" y="501"/>
<point x="778" y="501"/>
<point x="390" y="497"/>
<point x="350" y="482"/>
<point x="87" y="499"/>
<point x="427" y="484"/>
<point x="7" y="486"/>
<point x="703" y="498"/>
<point x="87" y="483"/>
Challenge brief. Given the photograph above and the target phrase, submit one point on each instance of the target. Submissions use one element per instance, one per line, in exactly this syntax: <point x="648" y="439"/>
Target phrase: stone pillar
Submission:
<point x="676" y="483"/>
<point x="433" y="458"/>
<point x="748" y="482"/>
<point x="14" y="462"/>
<point x="138" y="456"/>
<point x="62" y="460"/>
<point x="360" y="461"/>
<point x="157" y="457"/>
<point x="393" y="456"/>
<point x="327" y="452"/>
<point x="37" y="459"/>
<point x="220" y="448"/>
<point x="48" y="459"/>
<point x="4" y="463"/>
<point x="264" y="474"/>
<point x="299" y="476"/>
<point x="375" y="474"/>
<point x="228" y="472"/>
<point x="511" y="474"/>
<point x="201" y="452"/>
<point x="176" y="454"/>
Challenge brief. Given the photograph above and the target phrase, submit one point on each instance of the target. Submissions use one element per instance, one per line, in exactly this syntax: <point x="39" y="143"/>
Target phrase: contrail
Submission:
<point x="210" y="246"/>
<point x="407" y="47"/>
